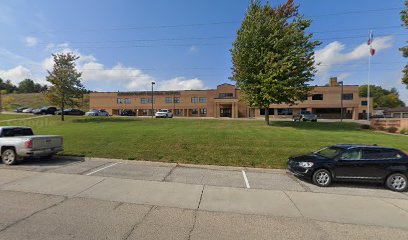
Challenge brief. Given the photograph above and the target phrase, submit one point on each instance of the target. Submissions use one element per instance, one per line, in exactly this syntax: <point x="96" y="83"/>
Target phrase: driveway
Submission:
<point x="108" y="199"/>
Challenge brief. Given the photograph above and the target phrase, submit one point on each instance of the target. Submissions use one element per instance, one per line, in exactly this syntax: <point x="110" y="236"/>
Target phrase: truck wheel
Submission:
<point x="9" y="157"/>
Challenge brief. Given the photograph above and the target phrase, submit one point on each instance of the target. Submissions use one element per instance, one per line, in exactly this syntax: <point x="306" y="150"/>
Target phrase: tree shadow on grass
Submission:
<point x="104" y="120"/>
<point x="322" y="126"/>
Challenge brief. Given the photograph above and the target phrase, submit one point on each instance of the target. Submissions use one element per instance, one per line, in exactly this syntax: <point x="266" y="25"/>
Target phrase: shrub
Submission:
<point x="365" y="126"/>
<point x="392" y="129"/>
<point x="404" y="131"/>
<point x="381" y="128"/>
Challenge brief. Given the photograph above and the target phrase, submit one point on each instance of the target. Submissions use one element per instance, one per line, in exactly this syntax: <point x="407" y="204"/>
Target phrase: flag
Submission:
<point x="372" y="51"/>
<point x="370" y="38"/>
<point x="369" y="43"/>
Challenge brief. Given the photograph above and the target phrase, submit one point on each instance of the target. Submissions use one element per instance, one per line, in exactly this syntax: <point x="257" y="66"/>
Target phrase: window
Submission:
<point x="194" y="99"/>
<point x="144" y="111"/>
<point x="194" y="111"/>
<point x="127" y="101"/>
<point x="353" y="154"/>
<point x="285" y="111"/>
<point x="378" y="154"/>
<point x="317" y="97"/>
<point x="177" y="112"/>
<point x="203" y="111"/>
<point x="120" y="100"/>
<point x="176" y="100"/>
<point x="364" y="103"/>
<point x="14" y="132"/>
<point x="169" y="100"/>
<point x="405" y="115"/>
<point x="150" y="100"/>
<point x="262" y="111"/>
<point x="347" y="96"/>
<point x="203" y="99"/>
<point x="396" y="115"/>
<point x="330" y="152"/>
<point x="143" y="100"/>
<point x="226" y="95"/>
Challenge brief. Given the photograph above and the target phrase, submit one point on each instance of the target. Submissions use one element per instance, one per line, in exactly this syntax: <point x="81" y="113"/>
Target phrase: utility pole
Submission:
<point x="341" y="100"/>
<point x="152" y="99"/>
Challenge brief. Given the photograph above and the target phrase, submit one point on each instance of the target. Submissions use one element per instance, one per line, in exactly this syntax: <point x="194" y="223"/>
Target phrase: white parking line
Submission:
<point x="100" y="169"/>
<point x="246" y="179"/>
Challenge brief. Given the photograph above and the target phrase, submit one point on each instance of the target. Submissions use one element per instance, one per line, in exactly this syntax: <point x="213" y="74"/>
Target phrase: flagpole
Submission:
<point x="368" y="77"/>
<point x="368" y="87"/>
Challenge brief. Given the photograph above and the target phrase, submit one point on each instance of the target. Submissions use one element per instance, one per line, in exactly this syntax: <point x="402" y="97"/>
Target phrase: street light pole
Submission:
<point x="152" y="99"/>
<point x="341" y="100"/>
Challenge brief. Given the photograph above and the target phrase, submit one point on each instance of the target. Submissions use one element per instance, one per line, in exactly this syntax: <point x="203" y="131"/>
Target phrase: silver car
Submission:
<point x="305" y="116"/>
<point x="164" y="113"/>
<point x="96" y="112"/>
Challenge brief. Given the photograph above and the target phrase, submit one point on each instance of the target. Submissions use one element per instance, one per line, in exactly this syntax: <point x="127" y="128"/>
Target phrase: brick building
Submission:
<point x="226" y="101"/>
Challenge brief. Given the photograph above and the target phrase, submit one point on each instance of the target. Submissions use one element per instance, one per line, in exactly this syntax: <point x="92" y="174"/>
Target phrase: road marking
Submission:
<point x="100" y="169"/>
<point x="246" y="179"/>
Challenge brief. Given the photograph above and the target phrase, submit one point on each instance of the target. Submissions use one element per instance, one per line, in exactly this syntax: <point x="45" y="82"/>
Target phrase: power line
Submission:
<point x="208" y="23"/>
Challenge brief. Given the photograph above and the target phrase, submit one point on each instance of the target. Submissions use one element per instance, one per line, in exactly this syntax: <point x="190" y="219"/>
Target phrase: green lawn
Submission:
<point x="234" y="143"/>
<point x="13" y="116"/>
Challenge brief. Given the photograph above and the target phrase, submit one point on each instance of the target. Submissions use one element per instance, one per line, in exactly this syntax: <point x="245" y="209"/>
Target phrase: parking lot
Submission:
<point x="109" y="199"/>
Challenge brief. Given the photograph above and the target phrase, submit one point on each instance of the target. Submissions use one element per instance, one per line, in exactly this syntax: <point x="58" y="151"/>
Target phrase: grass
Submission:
<point x="13" y="116"/>
<point x="233" y="143"/>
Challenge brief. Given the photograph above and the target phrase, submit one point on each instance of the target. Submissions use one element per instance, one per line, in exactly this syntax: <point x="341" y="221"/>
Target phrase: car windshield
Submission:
<point x="330" y="152"/>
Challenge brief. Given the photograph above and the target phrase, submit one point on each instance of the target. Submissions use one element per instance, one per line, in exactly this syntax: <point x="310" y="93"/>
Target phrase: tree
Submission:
<point x="382" y="97"/>
<point x="26" y="86"/>
<point x="404" y="50"/>
<point x="66" y="87"/>
<point x="273" y="56"/>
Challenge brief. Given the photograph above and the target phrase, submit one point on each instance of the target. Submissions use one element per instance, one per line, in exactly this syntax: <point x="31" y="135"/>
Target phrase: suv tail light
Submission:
<point x="28" y="144"/>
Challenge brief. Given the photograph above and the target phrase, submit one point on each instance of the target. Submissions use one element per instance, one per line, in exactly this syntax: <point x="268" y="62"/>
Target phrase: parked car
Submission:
<point x="28" y="110"/>
<point x="71" y="111"/>
<point x="16" y="143"/>
<point x="128" y="112"/>
<point x="164" y="113"/>
<point x="96" y="112"/>
<point x="355" y="163"/>
<point x="19" y="110"/>
<point x="45" y="110"/>
<point x="305" y="116"/>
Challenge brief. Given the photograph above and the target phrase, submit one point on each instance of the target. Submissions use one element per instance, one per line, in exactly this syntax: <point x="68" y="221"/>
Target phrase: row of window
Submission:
<point x="168" y="100"/>
<point x="281" y="111"/>
<point x="319" y="96"/>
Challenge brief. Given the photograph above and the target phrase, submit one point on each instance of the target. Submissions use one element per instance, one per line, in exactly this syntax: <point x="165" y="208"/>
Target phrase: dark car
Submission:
<point x="353" y="163"/>
<point x="71" y="111"/>
<point x="45" y="110"/>
<point x="305" y="116"/>
<point x="128" y="112"/>
<point x="19" y="110"/>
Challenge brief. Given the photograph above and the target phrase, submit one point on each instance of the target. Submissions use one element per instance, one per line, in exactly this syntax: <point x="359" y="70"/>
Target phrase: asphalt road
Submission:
<point x="107" y="199"/>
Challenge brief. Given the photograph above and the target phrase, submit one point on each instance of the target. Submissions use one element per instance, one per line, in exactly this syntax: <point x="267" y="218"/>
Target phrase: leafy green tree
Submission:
<point x="404" y="50"/>
<point x="273" y="56"/>
<point x="26" y="86"/>
<point x="66" y="88"/>
<point x="382" y="97"/>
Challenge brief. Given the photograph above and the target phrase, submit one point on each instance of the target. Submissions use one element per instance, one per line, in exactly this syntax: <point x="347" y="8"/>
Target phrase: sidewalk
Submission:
<point x="362" y="210"/>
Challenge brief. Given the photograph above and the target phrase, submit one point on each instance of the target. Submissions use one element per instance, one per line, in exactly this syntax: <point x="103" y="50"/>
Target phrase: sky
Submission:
<point x="184" y="44"/>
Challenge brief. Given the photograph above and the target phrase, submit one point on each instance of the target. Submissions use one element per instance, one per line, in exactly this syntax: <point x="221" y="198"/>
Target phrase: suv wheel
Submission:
<point x="322" y="178"/>
<point x="9" y="157"/>
<point x="397" y="182"/>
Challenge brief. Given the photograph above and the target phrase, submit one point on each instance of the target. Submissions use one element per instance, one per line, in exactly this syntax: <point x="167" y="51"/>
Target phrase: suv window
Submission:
<point x="381" y="154"/>
<point x="14" y="132"/>
<point x="353" y="154"/>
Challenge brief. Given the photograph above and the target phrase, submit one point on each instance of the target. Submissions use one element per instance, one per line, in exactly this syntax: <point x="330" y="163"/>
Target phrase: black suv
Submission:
<point x="353" y="162"/>
<point x="46" y="110"/>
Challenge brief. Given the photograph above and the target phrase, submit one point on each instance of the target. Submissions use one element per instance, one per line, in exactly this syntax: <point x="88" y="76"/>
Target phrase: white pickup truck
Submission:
<point x="16" y="143"/>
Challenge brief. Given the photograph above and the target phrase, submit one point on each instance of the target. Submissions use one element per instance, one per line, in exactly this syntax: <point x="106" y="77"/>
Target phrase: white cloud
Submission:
<point x="335" y="53"/>
<point x="181" y="83"/>
<point x="15" y="74"/>
<point x="30" y="41"/>
<point x="119" y="76"/>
